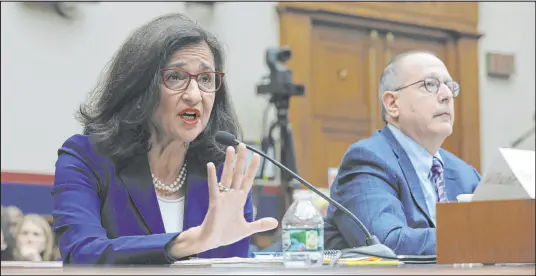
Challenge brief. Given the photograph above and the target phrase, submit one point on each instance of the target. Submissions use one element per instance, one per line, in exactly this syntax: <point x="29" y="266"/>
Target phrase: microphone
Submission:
<point x="373" y="246"/>
<point x="229" y="139"/>
<point x="525" y="135"/>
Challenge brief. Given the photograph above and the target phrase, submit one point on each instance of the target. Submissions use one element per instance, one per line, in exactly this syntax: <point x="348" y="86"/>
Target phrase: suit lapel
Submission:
<point x="196" y="204"/>
<point x="136" y="178"/>
<point x="409" y="172"/>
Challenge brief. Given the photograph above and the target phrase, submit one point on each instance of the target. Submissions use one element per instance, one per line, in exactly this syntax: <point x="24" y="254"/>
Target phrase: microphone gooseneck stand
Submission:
<point x="373" y="246"/>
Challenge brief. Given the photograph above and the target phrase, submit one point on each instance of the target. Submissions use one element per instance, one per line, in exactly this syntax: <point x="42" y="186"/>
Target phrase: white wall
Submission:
<point x="49" y="64"/>
<point x="247" y="29"/>
<point x="506" y="106"/>
<point x="41" y="89"/>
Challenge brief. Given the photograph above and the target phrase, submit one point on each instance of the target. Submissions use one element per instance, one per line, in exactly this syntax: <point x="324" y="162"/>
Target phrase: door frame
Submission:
<point x="295" y="31"/>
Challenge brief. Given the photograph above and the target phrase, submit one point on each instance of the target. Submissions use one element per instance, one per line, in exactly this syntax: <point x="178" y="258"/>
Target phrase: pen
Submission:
<point x="351" y="263"/>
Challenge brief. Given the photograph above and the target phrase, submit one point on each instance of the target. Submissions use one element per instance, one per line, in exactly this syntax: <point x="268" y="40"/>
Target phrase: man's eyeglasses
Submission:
<point x="179" y="80"/>
<point x="432" y="85"/>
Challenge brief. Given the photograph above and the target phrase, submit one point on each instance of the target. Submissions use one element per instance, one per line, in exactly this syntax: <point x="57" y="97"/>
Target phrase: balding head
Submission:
<point x="13" y="211"/>
<point x="417" y="95"/>
<point x="395" y="74"/>
<point x="14" y="216"/>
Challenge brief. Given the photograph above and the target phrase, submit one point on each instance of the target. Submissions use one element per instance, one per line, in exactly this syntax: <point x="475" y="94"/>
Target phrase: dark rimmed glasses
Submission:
<point x="432" y="85"/>
<point x="178" y="80"/>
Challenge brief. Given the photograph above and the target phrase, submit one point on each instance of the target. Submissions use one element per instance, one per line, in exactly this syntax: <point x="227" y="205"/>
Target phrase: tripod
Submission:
<point x="287" y="155"/>
<point x="280" y="87"/>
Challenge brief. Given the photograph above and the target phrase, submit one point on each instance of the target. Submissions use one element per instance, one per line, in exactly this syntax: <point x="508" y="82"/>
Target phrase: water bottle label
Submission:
<point x="303" y="239"/>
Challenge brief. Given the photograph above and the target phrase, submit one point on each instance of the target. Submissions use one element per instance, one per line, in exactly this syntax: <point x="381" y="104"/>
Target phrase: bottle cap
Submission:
<point x="302" y="194"/>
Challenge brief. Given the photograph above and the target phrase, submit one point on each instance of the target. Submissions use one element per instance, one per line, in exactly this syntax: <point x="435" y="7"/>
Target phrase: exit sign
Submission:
<point x="500" y="65"/>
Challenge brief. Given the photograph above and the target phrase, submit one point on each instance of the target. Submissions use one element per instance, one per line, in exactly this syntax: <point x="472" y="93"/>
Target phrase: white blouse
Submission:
<point x="172" y="211"/>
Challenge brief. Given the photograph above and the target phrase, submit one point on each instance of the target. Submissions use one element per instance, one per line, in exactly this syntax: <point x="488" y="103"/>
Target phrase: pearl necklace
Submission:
<point x="173" y="187"/>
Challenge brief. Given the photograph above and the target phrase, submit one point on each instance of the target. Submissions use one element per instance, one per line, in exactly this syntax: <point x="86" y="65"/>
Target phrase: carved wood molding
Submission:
<point x="459" y="18"/>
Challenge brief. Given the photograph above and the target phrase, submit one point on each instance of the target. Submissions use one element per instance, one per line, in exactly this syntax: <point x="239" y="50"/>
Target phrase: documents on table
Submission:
<point x="235" y="261"/>
<point x="276" y="260"/>
<point x="510" y="176"/>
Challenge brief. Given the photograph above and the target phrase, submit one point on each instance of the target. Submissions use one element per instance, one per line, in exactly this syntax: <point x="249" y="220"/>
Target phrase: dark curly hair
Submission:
<point x="121" y="130"/>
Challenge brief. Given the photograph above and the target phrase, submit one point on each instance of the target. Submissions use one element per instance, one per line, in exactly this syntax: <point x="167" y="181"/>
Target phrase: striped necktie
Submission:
<point x="436" y="177"/>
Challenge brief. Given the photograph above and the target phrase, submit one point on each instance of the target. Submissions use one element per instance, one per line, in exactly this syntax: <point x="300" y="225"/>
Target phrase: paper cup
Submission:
<point x="465" y="197"/>
<point x="332" y="174"/>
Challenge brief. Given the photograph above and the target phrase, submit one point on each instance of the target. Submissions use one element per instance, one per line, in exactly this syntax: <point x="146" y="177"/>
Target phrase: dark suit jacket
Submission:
<point x="377" y="182"/>
<point x="104" y="216"/>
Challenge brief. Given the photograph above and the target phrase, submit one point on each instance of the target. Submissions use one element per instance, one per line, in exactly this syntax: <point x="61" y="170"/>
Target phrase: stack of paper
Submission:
<point x="13" y="264"/>
<point x="510" y="176"/>
<point x="235" y="261"/>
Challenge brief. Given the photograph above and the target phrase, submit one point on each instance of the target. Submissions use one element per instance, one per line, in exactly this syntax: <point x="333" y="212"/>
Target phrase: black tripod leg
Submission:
<point x="288" y="158"/>
<point x="267" y="143"/>
<point x="289" y="154"/>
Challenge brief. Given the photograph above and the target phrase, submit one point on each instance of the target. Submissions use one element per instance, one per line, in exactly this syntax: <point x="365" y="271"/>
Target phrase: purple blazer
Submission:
<point x="106" y="217"/>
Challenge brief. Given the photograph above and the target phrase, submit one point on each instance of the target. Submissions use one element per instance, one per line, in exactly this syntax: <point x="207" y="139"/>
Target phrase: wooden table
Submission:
<point x="19" y="268"/>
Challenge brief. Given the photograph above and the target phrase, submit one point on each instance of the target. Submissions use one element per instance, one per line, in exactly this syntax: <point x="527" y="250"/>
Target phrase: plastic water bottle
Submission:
<point x="303" y="233"/>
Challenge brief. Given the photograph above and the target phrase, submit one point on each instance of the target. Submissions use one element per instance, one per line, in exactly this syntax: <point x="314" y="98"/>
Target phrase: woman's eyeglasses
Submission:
<point x="179" y="80"/>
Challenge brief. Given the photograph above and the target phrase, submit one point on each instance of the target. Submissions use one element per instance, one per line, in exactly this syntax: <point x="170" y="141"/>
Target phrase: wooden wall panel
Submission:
<point x="459" y="16"/>
<point x="453" y="23"/>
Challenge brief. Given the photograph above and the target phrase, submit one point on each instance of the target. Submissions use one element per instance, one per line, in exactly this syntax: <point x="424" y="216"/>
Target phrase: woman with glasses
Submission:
<point x="146" y="183"/>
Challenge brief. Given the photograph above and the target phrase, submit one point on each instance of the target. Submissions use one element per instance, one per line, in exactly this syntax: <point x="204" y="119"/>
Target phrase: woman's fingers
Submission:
<point x="227" y="174"/>
<point x="213" y="190"/>
<point x="239" y="168"/>
<point x="251" y="172"/>
<point x="262" y="225"/>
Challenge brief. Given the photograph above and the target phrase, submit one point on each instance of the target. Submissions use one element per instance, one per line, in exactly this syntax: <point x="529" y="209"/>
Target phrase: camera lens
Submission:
<point x="284" y="55"/>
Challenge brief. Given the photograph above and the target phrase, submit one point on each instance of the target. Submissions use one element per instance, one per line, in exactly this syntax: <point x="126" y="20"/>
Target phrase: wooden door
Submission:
<point x="340" y="67"/>
<point x="338" y="95"/>
<point x="345" y="68"/>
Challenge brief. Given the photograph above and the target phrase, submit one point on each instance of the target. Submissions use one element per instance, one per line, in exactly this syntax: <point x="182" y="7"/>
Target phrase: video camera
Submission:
<point x="280" y="79"/>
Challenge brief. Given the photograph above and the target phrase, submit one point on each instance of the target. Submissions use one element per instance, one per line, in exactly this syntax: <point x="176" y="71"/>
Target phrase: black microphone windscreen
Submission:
<point x="226" y="138"/>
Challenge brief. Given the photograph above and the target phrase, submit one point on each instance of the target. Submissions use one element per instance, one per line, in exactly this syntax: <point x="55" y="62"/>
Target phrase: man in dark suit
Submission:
<point x="393" y="180"/>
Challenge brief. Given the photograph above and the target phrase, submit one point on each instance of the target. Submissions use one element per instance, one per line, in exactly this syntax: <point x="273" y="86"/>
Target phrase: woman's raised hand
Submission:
<point x="224" y="223"/>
